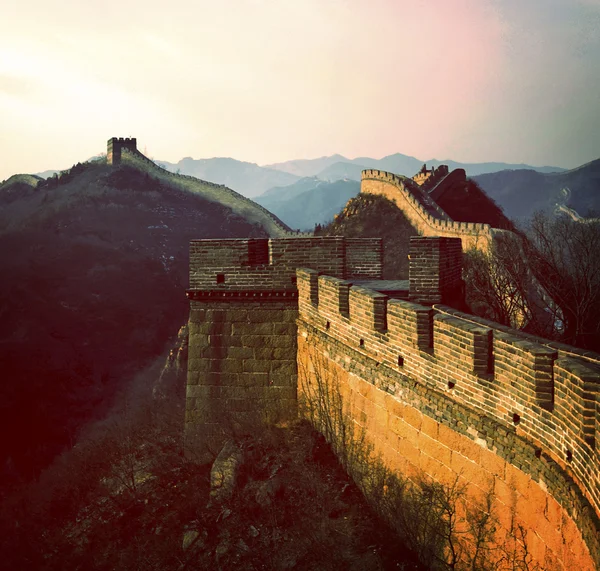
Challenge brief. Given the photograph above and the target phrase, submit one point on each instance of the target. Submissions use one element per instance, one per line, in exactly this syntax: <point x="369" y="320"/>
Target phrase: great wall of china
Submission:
<point x="421" y="209"/>
<point x="434" y="391"/>
<point x="124" y="151"/>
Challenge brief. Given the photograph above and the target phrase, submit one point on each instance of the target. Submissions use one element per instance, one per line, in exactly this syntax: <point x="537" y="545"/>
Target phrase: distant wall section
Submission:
<point x="114" y="147"/>
<point x="422" y="211"/>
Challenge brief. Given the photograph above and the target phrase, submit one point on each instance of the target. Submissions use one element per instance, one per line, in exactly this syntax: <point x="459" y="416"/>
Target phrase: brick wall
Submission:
<point x="242" y="328"/>
<point x="441" y="392"/>
<point x="241" y="369"/>
<point x="114" y="147"/>
<point x="435" y="270"/>
<point x="233" y="263"/>
<point x="436" y="391"/>
<point x="364" y="258"/>
<point x="422" y="211"/>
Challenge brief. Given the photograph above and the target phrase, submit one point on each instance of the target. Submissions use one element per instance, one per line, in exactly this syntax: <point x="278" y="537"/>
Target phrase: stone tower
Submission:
<point x="114" y="146"/>
<point x="242" y="368"/>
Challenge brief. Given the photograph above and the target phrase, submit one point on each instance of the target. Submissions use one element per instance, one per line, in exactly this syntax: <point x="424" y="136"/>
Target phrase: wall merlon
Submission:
<point x="582" y="391"/>
<point x="368" y="308"/>
<point x="474" y="342"/>
<point x="410" y="325"/>
<point x="334" y="294"/>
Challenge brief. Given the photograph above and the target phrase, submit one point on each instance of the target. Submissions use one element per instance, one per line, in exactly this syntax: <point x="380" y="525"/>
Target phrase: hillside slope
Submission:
<point x="371" y="216"/>
<point x="467" y="202"/>
<point x="239" y="204"/>
<point x="17" y="186"/>
<point x="521" y="192"/>
<point x="94" y="266"/>
<point x="309" y="201"/>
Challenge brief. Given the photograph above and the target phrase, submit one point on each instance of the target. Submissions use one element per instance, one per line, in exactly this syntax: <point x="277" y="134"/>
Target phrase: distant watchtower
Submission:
<point x="114" y="146"/>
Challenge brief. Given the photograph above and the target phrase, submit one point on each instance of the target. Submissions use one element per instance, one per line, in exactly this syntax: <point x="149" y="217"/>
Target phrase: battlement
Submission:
<point x="262" y="264"/>
<point x="115" y="145"/>
<point x="437" y="393"/>
<point x="430" y="175"/>
<point x="545" y="393"/>
<point x="422" y="211"/>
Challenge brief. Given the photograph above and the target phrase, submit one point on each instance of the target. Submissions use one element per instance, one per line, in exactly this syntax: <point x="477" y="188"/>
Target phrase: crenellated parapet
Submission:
<point x="531" y="403"/>
<point x="422" y="210"/>
<point x="114" y="147"/>
<point x="263" y="264"/>
<point x="242" y="328"/>
<point x="433" y="391"/>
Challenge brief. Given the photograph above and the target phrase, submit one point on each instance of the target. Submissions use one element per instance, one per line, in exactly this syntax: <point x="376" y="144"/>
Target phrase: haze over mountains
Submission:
<point x="306" y="192"/>
<point x="253" y="180"/>
<point x="521" y="192"/>
<point x="308" y="201"/>
<point x="337" y="166"/>
<point x="248" y="179"/>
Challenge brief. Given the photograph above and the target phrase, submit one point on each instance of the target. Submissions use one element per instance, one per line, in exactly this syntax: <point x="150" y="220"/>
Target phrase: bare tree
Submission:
<point x="498" y="283"/>
<point x="564" y="255"/>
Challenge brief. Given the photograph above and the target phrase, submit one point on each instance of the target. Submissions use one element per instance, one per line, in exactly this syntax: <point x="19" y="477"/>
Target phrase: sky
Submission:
<point x="272" y="80"/>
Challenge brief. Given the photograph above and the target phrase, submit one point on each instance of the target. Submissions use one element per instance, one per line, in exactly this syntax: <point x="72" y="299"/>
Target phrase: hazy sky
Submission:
<point x="272" y="80"/>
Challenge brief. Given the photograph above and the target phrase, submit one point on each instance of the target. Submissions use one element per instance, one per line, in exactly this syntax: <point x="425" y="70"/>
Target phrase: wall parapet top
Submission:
<point x="270" y="263"/>
<point x="550" y="395"/>
<point x="429" y="218"/>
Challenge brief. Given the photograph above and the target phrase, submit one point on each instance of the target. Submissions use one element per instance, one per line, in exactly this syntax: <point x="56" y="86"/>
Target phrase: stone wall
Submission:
<point x="422" y="211"/>
<point x="436" y="391"/>
<point x="252" y="211"/>
<point x="270" y="264"/>
<point x="114" y="147"/>
<point x="241" y="369"/>
<point x="242" y="328"/>
<point x="452" y="397"/>
<point x="435" y="271"/>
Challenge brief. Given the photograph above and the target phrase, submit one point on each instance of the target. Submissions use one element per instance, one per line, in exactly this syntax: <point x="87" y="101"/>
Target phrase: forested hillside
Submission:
<point x="94" y="267"/>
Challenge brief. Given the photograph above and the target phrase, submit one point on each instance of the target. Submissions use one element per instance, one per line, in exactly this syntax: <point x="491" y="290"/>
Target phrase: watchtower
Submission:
<point x="242" y="367"/>
<point x="114" y="146"/>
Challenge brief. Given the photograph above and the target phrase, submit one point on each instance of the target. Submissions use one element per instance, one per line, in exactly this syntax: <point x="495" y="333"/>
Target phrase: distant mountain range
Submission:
<point x="252" y="180"/>
<point x="519" y="193"/>
<point x="248" y="179"/>
<point x="309" y="191"/>
<point x="337" y="166"/>
<point x="309" y="201"/>
<point x="306" y="192"/>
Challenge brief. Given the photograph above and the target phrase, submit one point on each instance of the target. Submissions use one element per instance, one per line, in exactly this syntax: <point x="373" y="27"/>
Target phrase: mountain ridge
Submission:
<point x="94" y="265"/>
<point x="408" y="165"/>
<point x="521" y="192"/>
<point x="249" y="179"/>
